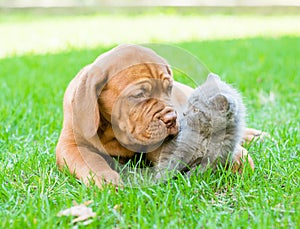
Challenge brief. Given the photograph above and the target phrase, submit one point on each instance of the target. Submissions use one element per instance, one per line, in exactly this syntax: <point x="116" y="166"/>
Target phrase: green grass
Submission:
<point x="33" y="191"/>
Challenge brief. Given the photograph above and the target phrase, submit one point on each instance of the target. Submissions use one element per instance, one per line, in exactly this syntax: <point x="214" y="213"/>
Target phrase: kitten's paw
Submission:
<point x="253" y="134"/>
<point x="165" y="174"/>
<point x="158" y="176"/>
<point x="240" y="159"/>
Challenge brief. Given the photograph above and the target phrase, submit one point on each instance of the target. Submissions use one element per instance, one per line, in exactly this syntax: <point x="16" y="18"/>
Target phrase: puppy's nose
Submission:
<point x="169" y="118"/>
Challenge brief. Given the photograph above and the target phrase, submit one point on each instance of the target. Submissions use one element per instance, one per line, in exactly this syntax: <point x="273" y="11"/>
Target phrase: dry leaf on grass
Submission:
<point x="81" y="211"/>
<point x="117" y="207"/>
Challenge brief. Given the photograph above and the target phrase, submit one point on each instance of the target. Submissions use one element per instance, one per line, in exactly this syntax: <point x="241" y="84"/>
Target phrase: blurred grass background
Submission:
<point x="39" y="31"/>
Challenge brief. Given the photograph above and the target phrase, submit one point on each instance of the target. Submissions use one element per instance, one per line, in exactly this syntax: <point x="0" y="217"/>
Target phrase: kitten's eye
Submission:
<point x="195" y="110"/>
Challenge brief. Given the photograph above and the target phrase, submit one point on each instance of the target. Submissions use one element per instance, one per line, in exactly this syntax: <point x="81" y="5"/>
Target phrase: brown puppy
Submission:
<point x="120" y="104"/>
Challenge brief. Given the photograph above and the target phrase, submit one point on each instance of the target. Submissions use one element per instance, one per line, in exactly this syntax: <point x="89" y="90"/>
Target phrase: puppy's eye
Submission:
<point x="140" y="94"/>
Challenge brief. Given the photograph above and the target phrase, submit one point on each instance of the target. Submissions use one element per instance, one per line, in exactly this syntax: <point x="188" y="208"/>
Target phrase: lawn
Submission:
<point x="263" y="65"/>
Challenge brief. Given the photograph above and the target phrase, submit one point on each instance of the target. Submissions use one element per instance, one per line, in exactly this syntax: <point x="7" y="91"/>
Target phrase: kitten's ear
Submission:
<point x="220" y="102"/>
<point x="212" y="76"/>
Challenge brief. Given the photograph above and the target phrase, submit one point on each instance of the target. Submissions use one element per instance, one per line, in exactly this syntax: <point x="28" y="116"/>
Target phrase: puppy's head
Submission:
<point x="137" y="102"/>
<point x="129" y="89"/>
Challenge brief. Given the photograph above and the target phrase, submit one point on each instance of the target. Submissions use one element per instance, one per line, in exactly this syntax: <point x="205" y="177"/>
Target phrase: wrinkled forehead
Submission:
<point x="128" y="64"/>
<point x="155" y="71"/>
<point x="133" y="58"/>
<point x="151" y="73"/>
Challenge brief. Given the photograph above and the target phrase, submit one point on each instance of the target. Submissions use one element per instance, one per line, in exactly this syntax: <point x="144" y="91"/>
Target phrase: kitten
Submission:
<point x="211" y="128"/>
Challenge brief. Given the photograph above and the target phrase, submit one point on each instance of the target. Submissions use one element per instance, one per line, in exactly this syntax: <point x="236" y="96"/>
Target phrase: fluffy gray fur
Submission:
<point x="212" y="126"/>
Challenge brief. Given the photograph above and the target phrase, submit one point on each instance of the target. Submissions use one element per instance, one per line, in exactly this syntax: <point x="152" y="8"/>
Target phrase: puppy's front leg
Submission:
<point x="87" y="165"/>
<point x="239" y="158"/>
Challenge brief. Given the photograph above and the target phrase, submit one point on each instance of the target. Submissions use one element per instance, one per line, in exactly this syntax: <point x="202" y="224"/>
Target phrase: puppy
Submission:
<point x="118" y="105"/>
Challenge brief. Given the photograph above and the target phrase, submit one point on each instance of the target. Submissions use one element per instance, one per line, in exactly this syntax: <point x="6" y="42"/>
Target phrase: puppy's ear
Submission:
<point x="169" y="70"/>
<point x="86" y="116"/>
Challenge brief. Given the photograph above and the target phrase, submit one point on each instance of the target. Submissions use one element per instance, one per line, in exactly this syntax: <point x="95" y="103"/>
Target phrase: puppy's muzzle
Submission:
<point x="169" y="117"/>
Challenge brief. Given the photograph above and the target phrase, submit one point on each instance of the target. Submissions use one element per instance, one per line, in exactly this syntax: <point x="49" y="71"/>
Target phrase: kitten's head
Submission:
<point x="214" y="107"/>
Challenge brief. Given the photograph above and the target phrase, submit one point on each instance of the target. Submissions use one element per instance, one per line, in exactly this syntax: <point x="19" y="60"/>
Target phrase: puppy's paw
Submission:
<point x="240" y="158"/>
<point x="102" y="178"/>
<point x="253" y="134"/>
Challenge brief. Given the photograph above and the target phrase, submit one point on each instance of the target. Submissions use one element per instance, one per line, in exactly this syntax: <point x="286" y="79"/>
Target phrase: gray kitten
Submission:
<point x="211" y="128"/>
